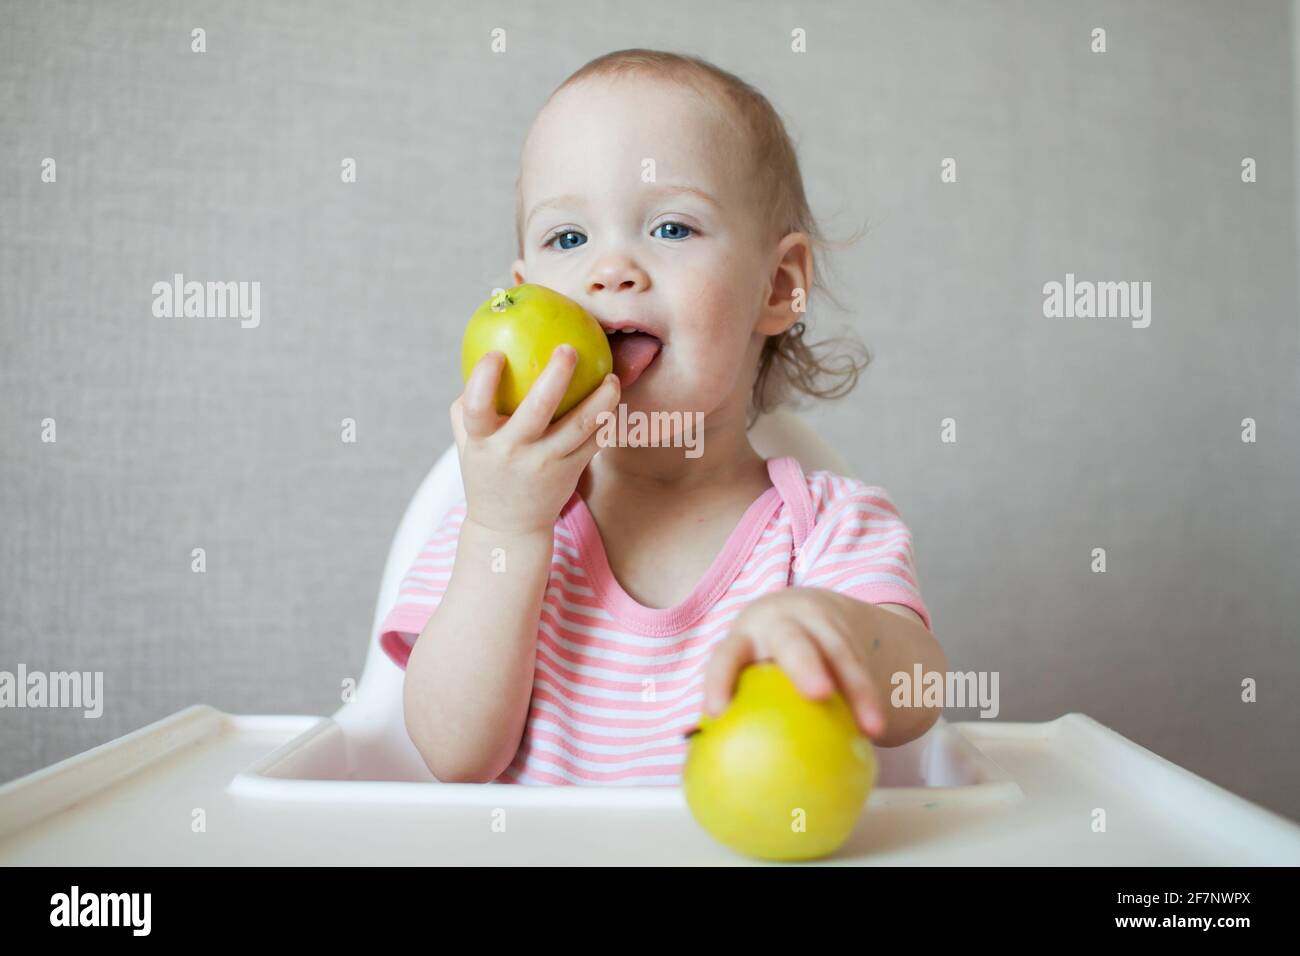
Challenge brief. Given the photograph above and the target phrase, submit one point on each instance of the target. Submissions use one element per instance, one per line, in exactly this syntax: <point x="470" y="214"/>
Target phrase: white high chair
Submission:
<point x="379" y="747"/>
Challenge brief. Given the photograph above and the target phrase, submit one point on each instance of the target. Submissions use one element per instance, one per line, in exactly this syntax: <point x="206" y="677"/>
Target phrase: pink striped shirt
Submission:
<point x="616" y="684"/>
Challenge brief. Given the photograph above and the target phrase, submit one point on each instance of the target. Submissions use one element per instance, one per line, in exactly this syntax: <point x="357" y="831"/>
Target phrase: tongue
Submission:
<point x="633" y="352"/>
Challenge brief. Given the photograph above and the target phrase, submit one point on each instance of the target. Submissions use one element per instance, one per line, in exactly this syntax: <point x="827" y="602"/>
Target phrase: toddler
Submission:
<point x="568" y="620"/>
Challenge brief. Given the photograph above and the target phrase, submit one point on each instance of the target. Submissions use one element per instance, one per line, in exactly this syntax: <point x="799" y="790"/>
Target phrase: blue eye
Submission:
<point x="565" y="235"/>
<point x="684" y="230"/>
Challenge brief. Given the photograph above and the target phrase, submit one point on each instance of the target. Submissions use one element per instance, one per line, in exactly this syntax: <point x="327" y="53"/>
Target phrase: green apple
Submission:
<point x="526" y="323"/>
<point x="778" y="776"/>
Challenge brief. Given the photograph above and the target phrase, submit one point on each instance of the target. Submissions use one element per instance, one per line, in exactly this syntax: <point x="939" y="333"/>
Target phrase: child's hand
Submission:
<point x="519" y="470"/>
<point x="815" y="637"/>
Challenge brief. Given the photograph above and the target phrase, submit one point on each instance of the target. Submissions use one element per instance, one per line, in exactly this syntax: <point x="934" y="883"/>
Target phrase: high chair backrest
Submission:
<point x="374" y="720"/>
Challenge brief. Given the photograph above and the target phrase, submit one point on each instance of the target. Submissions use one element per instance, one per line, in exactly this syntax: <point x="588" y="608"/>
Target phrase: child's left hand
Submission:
<point x="816" y="636"/>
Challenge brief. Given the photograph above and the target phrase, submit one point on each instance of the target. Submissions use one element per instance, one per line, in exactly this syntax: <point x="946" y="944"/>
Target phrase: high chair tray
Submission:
<point x="203" y="787"/>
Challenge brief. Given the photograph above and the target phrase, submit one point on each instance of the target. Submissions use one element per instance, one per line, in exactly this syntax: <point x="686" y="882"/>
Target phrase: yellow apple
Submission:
<point x="778" y="776"/>
<point x="526" y="323"/>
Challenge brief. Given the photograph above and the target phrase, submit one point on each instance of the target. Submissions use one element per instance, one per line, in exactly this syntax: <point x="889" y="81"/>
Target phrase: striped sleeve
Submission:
<point x="859" y="546"/>
<point x="422" y="588"/>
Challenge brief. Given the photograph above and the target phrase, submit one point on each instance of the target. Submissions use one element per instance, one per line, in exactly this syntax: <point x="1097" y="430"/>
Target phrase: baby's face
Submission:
<point x="679" y="255"/>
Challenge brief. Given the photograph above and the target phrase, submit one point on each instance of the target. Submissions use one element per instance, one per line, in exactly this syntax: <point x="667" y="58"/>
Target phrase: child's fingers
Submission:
<point x="457" y="416"/>
<point x="800" y="657"/>
<point x="582" y="423"/>
<point x="860" y="693"/>
<point x="587" y="450"/>
<point x="533" y="416"/>
<point x="478" y="402"/>
<point x="728" y="658"/>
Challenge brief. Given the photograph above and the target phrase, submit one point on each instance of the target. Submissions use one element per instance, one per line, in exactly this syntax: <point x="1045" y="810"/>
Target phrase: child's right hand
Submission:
<point x="519" y="470"/>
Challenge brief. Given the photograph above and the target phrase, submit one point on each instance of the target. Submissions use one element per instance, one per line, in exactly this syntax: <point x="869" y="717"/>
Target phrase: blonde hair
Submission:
<point x="788" y="366"/>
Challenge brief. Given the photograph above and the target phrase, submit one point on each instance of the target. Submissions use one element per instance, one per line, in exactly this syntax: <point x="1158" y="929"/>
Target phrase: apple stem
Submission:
<point x="501" y="301"/>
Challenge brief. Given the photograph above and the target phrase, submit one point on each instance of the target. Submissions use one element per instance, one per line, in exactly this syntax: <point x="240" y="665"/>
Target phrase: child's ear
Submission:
<point x="791" y="281"/>
<point x="517" y="272"/>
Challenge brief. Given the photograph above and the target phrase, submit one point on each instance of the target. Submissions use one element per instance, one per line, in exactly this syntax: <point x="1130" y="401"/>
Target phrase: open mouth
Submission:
<point x="634" y="351"/>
